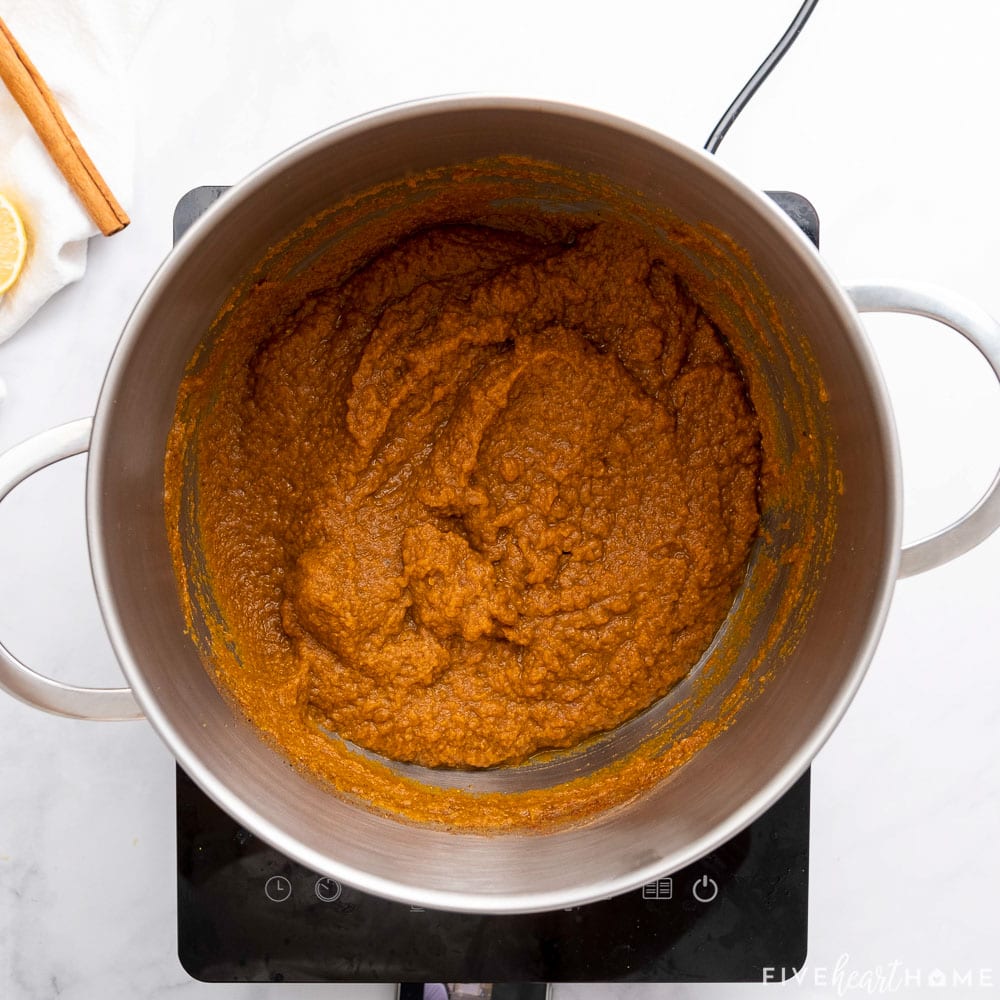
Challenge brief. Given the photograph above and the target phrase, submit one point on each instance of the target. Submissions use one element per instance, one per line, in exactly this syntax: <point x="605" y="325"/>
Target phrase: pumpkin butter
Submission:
<point x="487" y="491"/>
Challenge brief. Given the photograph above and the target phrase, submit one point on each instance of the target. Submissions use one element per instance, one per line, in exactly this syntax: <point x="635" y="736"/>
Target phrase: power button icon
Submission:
<point x="705" y="889"/>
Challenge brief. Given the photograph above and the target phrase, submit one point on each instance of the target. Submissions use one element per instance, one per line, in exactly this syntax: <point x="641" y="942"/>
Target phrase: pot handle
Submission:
<point x="109" y="704"/>
<point x="983" y="332"/>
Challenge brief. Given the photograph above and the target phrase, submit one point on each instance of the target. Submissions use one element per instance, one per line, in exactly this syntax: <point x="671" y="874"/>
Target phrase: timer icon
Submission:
<point x="328" y="890"/>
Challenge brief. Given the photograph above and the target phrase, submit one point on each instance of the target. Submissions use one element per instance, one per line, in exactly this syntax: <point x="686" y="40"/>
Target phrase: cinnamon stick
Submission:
<point x="30" y="91"/>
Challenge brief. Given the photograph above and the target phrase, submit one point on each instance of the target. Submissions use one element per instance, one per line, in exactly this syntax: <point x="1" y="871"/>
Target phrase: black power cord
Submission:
<point x="761" y="74"/>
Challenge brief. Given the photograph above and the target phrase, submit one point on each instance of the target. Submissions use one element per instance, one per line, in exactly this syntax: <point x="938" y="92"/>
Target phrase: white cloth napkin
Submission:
<point x="82" y="48"/>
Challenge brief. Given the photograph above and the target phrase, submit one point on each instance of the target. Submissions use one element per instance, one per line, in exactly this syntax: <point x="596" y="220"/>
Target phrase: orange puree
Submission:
<point x="490" y="493"/>
<point x="465" y="474"/>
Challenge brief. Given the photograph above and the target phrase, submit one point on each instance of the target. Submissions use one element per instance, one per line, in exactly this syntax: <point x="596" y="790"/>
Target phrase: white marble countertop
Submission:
<point x="884" y="115"/>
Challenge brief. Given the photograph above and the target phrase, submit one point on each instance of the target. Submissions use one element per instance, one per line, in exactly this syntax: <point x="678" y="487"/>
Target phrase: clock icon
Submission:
<point x="278" y="889"/>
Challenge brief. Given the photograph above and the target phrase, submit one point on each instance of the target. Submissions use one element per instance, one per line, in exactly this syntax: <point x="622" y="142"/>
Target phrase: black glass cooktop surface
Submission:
<point x="247" y="913"/>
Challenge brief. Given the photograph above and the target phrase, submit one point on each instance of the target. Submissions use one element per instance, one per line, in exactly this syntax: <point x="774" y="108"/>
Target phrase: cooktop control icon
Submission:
<point x="278" y="889"/>
<point x="705" y="889"/>
<point x="328" y="890"/>
<point x="662" y="888"/>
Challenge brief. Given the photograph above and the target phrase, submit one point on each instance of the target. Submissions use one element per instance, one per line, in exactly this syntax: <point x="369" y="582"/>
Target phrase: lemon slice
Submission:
<point x="13" y="244"/>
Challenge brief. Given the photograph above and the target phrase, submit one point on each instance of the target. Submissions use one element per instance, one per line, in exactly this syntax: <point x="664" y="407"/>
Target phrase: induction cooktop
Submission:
<point x="246" y="913"/>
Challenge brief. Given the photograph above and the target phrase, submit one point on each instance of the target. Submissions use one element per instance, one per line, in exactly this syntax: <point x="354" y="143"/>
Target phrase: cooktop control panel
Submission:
<point x="247" y="913"/>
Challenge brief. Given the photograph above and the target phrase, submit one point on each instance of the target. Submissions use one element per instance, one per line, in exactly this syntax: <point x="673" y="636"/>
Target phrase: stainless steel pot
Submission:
<point x="726" y="784"/>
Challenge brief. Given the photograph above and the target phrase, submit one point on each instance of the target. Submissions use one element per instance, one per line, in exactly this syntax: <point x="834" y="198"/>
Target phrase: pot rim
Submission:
<point x="244" y="811"/>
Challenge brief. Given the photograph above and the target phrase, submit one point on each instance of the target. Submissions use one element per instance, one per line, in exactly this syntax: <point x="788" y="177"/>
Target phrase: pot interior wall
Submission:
<point x="727" y="783"/>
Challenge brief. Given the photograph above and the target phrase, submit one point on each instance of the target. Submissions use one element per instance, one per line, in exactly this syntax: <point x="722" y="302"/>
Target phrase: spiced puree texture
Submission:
<point x="490" y="492"/>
